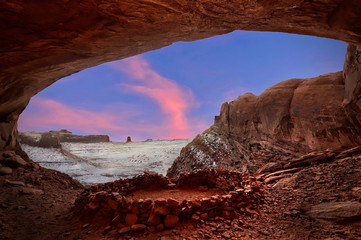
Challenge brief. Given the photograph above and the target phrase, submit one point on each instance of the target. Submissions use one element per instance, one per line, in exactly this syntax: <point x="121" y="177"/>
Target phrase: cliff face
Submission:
<point x="43" y="42"/>
<point x="291" y="118"/>
<point x="287" y="120"/>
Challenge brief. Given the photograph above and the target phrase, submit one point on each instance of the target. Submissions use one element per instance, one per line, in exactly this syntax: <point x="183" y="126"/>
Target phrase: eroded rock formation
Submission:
<point x="43" y="42"/>
<point x="290" y="118"/>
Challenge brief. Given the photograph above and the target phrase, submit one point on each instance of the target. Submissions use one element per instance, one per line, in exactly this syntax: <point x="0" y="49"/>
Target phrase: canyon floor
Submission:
<point x="92" y="163"/>
<point x="319" y="200"/>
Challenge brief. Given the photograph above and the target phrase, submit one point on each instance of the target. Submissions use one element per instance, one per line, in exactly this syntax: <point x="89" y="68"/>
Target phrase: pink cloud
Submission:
<point x="46" y="114"/>
<point x="122" y="120"/>
<point x="174" y="100"/>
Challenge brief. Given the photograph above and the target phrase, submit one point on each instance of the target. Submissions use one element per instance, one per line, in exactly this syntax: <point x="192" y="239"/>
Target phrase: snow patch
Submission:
<point x="104" y="162"/>
<point x="201" y="156"/>
<point x="213" y="140"/>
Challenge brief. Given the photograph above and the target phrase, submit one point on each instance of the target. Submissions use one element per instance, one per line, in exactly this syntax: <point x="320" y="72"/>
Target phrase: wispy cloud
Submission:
<point x="120" y="120"/>
<point x="175" y="101"/>
<point x="45" y="114"/>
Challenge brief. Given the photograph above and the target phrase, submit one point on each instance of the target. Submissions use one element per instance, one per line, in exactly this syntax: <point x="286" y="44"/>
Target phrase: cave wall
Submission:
<point x="43" y="41"/>
<point x="352" y="75"/>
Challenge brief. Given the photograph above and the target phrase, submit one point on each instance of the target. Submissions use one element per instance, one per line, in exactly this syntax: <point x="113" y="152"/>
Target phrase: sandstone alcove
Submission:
<point x="232" y="61"/>
<point x="43" y="42"/>
<point x="63" y="37"/>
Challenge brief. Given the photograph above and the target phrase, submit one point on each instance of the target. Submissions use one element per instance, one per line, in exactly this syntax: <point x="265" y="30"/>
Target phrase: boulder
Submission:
<point x="159" y="227"/>
<point x="172" y="202"/>
<point x="161" y="210"/>
<point x="137" y="227"/>
<point x="11" y="159"/>
<point x="176" y="211"/>
<point x="147" y="203"/>
<point x="113" y="204"/>
<point x="170" y="221"/>
<point x="204" y="216"/>
<point x="195" y="217"/>
<point x="131" y="219"/>
<point x="153" y="219"/>
<point x="5" y="170"/>
<point x="335" y="211"/>
<point x="160" y="202"/>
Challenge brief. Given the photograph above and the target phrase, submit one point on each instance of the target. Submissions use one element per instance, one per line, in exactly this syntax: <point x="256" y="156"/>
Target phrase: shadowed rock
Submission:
<point x="336" y="211"/>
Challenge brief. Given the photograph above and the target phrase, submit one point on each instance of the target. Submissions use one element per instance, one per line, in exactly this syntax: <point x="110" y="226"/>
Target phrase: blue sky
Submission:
<point x="176" y="91"/>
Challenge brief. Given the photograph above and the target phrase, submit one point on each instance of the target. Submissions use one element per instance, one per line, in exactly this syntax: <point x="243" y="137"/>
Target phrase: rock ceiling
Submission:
<point x="41" y="42"/>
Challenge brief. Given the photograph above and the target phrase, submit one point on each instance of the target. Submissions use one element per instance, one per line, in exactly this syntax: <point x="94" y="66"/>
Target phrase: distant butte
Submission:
<point x="55" y="138"/>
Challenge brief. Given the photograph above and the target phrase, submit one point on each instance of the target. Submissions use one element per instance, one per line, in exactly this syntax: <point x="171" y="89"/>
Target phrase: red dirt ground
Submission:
<point x="282" y="216"/>
<point x="177" y="194"/>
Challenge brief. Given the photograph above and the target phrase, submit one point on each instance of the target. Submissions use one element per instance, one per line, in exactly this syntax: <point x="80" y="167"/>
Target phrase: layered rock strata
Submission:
<point x="291" y="118"/>
<point x="43" y="42"/>
<point x="55" y="138"/>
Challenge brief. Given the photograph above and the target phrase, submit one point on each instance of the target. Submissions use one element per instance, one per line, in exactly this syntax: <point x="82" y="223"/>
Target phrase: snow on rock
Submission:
<point x="92" y="163"/>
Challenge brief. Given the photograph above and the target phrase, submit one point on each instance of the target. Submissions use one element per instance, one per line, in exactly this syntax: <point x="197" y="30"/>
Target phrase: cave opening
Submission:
<point x="288" y="198"/>
<point x="168" y="94"/>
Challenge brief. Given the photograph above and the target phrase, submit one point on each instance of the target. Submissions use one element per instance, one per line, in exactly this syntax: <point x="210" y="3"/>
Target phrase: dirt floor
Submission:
<point x="177" y="194"/>
<point x="35" y="203"/>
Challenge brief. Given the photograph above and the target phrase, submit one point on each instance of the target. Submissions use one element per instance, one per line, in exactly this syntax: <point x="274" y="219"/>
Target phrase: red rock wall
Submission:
<point x="42" y="42"/>
<point x="289" y="119"/>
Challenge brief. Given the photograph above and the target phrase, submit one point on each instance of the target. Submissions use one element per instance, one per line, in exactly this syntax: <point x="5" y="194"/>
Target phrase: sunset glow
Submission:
<point x="175" y="92"/>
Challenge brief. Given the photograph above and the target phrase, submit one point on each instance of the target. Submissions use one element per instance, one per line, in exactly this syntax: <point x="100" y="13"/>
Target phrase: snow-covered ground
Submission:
<point x="93" y="163"/>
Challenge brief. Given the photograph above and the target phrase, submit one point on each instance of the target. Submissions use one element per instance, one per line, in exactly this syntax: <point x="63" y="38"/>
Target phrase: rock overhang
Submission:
<point x="42" y="43"/>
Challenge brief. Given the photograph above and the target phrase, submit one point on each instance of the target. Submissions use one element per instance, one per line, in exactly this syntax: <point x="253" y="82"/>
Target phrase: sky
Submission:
<point x="175" y="92"/>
